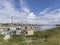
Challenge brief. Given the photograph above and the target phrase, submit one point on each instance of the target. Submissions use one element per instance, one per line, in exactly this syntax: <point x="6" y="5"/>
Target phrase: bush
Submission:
<point x="1" y="37"/>
<point x="38" y="35"/>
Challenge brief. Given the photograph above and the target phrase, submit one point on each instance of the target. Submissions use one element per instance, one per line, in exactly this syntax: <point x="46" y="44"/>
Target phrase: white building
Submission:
<point x="17" y="29"/>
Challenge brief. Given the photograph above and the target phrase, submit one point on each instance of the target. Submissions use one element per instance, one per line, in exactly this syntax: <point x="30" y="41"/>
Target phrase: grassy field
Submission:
<point x="48" y="37"/>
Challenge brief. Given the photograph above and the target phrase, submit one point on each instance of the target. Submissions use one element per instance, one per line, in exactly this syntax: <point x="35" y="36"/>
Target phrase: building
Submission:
<point x="17" y="29"/>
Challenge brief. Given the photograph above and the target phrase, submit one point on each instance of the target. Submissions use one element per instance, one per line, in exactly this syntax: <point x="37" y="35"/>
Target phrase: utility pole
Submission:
<point x="11" y="25"/>
<point x="12" y="20"/>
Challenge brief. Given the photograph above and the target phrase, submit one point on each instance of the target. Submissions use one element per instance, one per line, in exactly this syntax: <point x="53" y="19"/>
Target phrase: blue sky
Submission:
<point x="38" y="5"/>
<point x="30" y="11"/>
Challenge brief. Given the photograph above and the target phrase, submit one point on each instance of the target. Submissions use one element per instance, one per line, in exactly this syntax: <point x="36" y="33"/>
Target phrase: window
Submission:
<point x="8" y="29"/>
<point x="30" y="27"/>
<point x="17" y="28"/>
<point x="25" y="27"/>
<point x="14" y="32"/>
<point x="26" y="32"/>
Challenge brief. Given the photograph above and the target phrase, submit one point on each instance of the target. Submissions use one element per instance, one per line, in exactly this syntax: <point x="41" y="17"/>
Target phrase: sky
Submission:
<point x="30" y="11"/>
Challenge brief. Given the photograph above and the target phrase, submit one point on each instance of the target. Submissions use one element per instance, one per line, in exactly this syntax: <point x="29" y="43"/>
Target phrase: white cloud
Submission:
<point x="53" y="17"/>
<point x="50" y="18"/>
<point x="44" y="11"/>
<point x="7" y="10"/>
<point x="30" y="14"/>
<point x="24" y="7"/>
